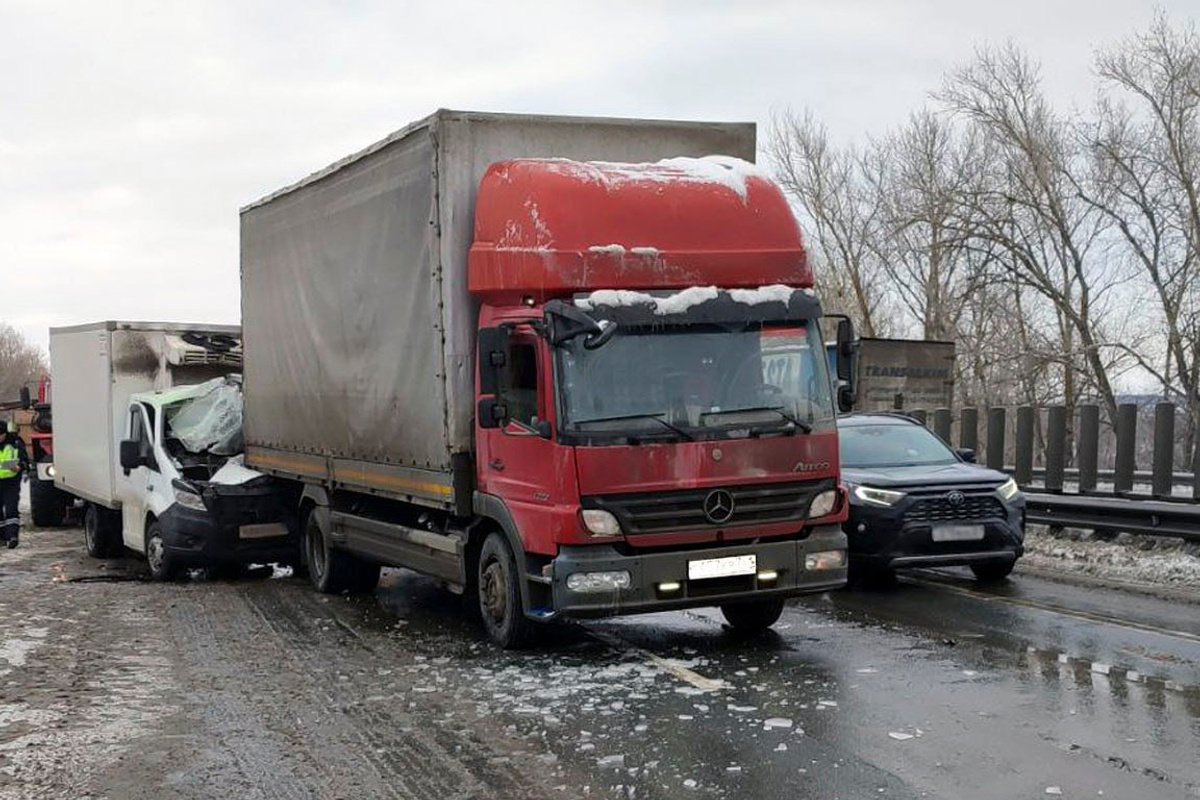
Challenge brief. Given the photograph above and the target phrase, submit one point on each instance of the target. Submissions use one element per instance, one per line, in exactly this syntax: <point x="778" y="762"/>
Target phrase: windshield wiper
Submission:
<point x="656" y="417"/>
<point x="799" y="423"/>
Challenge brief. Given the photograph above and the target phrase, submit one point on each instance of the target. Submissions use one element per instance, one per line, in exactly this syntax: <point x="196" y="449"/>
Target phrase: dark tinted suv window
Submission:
<point x="891" y="445"/>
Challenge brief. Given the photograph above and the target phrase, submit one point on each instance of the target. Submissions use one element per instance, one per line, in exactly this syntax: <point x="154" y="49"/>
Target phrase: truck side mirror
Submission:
<point x="131" y="455"/>
<point x="491" y="413"/>
<point x="493" y="358"/>
<point x="26" y="400"/>
<point x="847" y="348"/>
<point x="845" y="398"/>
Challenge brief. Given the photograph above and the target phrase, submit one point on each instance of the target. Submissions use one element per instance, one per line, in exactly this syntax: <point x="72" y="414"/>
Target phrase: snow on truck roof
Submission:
<point x="550" y="226"/>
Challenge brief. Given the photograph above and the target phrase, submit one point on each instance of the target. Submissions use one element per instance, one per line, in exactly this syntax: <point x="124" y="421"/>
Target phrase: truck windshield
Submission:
<point x="703" y="381"/>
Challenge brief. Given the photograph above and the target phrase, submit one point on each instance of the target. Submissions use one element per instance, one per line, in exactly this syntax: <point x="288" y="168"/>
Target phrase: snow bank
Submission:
<point x="1169" y="566"/>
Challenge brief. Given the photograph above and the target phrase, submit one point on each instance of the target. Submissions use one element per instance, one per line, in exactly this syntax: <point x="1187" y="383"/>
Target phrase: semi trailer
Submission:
<point x="569" y="367"/>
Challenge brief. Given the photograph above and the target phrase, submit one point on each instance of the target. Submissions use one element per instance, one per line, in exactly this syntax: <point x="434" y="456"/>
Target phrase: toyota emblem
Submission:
<point x="955" y="499"/>
<point x="718" y="506"/>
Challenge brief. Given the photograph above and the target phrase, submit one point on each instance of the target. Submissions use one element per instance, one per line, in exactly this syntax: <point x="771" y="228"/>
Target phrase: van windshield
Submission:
<point x="705" y="381"/>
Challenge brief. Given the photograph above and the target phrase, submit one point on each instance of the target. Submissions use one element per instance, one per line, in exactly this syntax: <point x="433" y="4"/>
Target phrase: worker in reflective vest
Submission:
<point x="13" y="461"/>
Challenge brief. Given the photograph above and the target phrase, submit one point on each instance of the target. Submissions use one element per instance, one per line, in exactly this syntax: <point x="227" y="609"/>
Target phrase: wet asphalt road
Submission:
<point x="259" y="688"/>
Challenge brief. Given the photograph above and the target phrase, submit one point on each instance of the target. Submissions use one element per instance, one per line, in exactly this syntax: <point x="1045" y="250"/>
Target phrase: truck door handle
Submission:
<point x="496" y="464"/>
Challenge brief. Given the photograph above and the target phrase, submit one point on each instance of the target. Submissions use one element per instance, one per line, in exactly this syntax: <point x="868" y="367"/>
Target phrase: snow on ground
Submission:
<point x="1134" y="559"/>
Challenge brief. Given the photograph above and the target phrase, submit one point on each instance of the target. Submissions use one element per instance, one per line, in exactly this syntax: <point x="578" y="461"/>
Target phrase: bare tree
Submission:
<point x="840" y="208"/>
<point x="1028" y="207"/>
<point x="20" y="362"/>
<point x="1146" y="181"/>
<point x="926" y="168"/>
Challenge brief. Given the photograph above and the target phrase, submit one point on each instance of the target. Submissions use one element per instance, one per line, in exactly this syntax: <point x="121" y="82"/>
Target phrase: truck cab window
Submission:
<point x="520" y="386"/>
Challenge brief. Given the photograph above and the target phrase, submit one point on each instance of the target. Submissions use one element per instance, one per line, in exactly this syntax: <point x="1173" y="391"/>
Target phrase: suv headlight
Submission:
<point x="1008" y="490"/>
<point x="601" y="523"/>
<point x="878" y="497"/>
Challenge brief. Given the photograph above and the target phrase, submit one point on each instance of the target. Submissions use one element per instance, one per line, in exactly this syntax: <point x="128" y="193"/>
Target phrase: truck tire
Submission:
<point x="993" y="572"/>
<point x="47" y="503"/>
<point x="499" y="594"/>
<point x="158" y="559"/>
<point x="333" y="571"/>
<point x="754" y="616"/>
<point x="99" y="534"/>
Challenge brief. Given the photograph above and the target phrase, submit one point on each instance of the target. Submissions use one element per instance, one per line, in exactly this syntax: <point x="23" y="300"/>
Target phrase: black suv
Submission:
<point x="915" y="502"/>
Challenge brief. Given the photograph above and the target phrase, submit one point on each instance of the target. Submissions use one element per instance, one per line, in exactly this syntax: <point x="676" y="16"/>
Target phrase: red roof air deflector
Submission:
<point x="552" y="227"/>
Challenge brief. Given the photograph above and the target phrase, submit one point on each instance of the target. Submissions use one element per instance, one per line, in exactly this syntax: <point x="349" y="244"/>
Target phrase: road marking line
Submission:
<point x="1086" y="616"/>
<point x="667" y="665"/>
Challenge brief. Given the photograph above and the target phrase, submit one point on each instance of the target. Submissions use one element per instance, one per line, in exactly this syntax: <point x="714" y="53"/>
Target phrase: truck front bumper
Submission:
<point x="648" y="572"/>
<point x="194" y="538"/>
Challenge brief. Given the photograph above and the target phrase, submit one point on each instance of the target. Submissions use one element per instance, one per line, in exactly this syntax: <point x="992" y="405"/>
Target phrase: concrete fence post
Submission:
<point x="995" y="438"/>
<point x="968" y="429"/>
<point x="941" y="423"/>
<point x="1056" y="447"/>
<point x="1163" y="469"/>
<point x="1127" y="414"/>
<point x="1088" y="447"/>
<point x="1023" y="466"/>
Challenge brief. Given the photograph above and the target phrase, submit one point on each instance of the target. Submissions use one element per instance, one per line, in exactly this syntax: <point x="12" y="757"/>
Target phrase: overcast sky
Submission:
<point x="131" y="133"/>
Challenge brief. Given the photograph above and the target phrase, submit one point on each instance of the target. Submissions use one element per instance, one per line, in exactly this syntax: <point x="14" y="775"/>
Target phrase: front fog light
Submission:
<point x="600" y="523"/>
<point x="825" y="559"/>
<point x="823" y="504"/>
<point x="584" y="582"/>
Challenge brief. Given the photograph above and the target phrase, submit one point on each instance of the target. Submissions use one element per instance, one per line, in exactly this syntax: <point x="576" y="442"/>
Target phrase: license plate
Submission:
<point x="957" y="533"/>
<point x="265" y="530"/>
<point x="722" y="567"/>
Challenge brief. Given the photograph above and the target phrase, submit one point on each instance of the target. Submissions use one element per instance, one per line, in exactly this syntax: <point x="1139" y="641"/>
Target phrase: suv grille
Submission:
<point x="684" y="510"/>
<point x="940" y="509"/>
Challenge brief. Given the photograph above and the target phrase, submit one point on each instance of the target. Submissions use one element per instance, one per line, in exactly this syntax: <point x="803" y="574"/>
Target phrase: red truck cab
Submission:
<point x="655" y="416"/>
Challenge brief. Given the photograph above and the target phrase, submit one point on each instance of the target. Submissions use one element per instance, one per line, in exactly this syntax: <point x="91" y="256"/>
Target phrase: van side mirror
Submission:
<point x="26" y="399"/>
<point x="493" y="346"/>
<point x="131" y="455"/>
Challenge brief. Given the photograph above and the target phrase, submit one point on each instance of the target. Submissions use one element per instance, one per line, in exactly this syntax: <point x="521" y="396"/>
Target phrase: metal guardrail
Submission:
<point x="1116" y="514"/>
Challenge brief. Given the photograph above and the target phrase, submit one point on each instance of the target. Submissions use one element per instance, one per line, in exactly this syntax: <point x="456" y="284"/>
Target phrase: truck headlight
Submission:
<point x="823" y="504"/>
<point x="878" y="497"/>
<point x="584" y="582"/>
<point x="1008" y="490"/>
<point x="189" y="499"/>
<point x="600" y="522"/>
<point x="50" y="471"/>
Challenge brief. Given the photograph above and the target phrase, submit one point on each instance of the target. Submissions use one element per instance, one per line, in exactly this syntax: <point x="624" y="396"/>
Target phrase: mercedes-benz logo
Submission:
<point x="955" y="498"/>
<point x="718" y="506"/>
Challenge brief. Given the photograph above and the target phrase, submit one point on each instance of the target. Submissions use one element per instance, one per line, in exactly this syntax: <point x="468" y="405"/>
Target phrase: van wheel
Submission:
<point x="47" y="503"/>
<point x="754" y="616"/>
<point x="97" y="534"/>
<point x="332" y="571"/>
<point x="499" y="592"/>
<point x="161" y="565"/>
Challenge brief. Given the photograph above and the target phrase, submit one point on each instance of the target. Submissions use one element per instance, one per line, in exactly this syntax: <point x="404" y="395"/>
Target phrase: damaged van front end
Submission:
<point x="201" y="505"/>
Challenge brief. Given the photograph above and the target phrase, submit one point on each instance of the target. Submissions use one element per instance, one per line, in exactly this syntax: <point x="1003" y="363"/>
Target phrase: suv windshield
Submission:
<point x="702" y="380"/>
<point x="901" y="444"/>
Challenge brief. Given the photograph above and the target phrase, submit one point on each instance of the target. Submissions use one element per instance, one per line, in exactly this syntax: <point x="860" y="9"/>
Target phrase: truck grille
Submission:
<point x="658" y="512"/>
<point x="942" y="509"/>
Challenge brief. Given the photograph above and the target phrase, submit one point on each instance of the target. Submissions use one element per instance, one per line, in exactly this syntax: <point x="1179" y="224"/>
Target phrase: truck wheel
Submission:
<point x="96" y="534"/>
<point x="47" y="503"/>
<point x="500" y="595"/>
<point x="333" y="571"/>
<point x="754" y="616"/>
<point x="994" y="572"/>
<point x="157" y="557"/>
